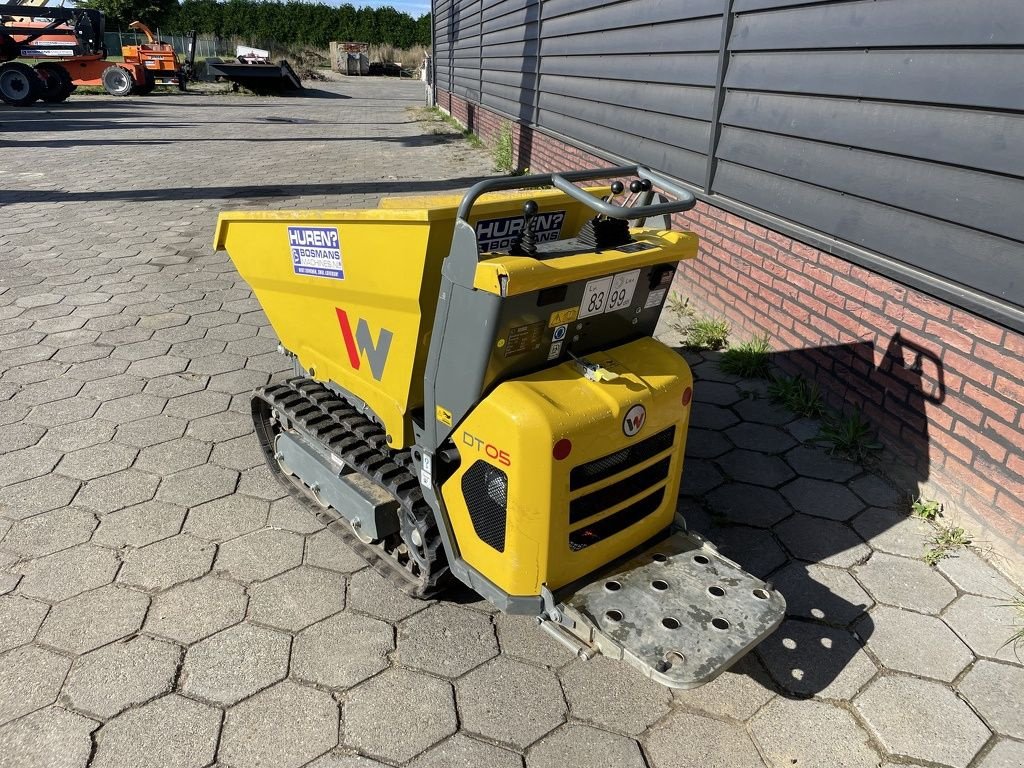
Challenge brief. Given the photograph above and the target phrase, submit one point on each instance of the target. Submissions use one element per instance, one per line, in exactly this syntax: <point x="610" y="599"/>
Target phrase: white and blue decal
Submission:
<point x="316" y="252"/>
<point x="499" y="234"/>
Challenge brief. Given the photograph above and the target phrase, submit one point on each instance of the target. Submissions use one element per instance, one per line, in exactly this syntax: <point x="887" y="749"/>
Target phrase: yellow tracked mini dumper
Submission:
<point x="478" y="395"/>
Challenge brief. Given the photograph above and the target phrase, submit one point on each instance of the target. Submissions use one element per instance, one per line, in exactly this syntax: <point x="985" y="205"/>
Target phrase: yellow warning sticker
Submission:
<point x="443" y="415"/>
<point x="563" y="316"/>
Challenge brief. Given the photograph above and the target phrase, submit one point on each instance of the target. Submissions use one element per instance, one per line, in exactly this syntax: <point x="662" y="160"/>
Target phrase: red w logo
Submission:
<point x="362" y="343"/>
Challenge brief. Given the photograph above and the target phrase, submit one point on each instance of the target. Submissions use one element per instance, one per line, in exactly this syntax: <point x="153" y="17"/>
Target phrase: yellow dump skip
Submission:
<point x="352" y="293"/>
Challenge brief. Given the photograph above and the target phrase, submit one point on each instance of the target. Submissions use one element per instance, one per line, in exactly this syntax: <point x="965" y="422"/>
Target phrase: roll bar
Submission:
<point x="564" y="182"/>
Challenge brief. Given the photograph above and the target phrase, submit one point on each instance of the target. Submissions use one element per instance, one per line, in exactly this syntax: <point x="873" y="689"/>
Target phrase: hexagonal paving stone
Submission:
<point x="131" y="408"/>
<point x="905" y="583"/>
<point x="68" y="573"/>
<point x="575" y="744"/>
<point x="117" y="491"/>
<point x="761" y="410"/>
<point x="818" y="463"/>
<point x="93" y="619"/>
<point x="820" y="498"/>
<point x="446" y="640"/>
<point x="26" y="464"/>
<point x="176" y="384"/>
<point x="461" y="750"/>
<point x="48" y="738"/>
<point x="96" y="461"/>
<point x="139" y="525"/>
<point x="370" y="593"/>
<point x="297" y="598"/>
<point x="820" y="592"/>
<point x="63" y="411"/>
<point x="30" y="678"/>
<point x="39" y="495"/>
<point x="151" y="431"/>
<point x="344" y="759"/>
<point x="683" y="739"/>
<point x="811" y="733"/>
<point x="238" y="453"/>
<point x="755" y="550"/>
<point x="292" y="515"/>
<point x="911" y="642"/>
<point x="699" y="477"/>
<point x="260" y="483"/>
<point x="398" y="694"/>
<point x="197" y="609"/>
<point x="749" y="504"/>
<point x="876" y="491"/>
<point x="325" y="549"/>
<point x="706" y="443"/>
<point x="712" y="417"/>
<point x="889" y="531"/>
<point x="19" y="620"/>
<point x="342" y="651"/>
<point x="258" y="556"/>
<point x="50" y="532"/>
<point x="760" y="438"/>
<point x="109" y="680"/>
<point x="614" y="696"/>
<point x="755" y="468"/>
<point x="197" y="405"/>
<point x="520" y="636"/>
<point x="20" y="436"/>
<point x="920" y="719"/>
<point x="173" y="456"/>
<point x="195" y="486"/>
<point x="220" y="426"/>
<point x="968" y="571"/>
<point x="168" y="562"/>
<point x="227" y="518"/>
<point x="80" y="434"/>
<point x="491" y="702"/>
<point x="235" y="663"/>
<point x="810" y="659"/>
<point x="821" y="541"/>
<point x="282" y="727"/>
<point x="1005" y="753"/>
<point x="170" y="732"/>
<point x="996" y="691"/>
<point x="736" y="694"/>
<point x="236" y="382"/>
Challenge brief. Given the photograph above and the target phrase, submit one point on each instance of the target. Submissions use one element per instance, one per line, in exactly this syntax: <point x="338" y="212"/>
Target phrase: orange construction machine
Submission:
<point x="69" y="44"/>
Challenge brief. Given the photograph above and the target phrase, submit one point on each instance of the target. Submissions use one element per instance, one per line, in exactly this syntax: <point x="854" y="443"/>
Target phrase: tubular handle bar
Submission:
<point x="564" y="181"/>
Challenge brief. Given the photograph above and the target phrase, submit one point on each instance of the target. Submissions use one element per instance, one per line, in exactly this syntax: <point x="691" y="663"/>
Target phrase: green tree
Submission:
<point x="124" y="12"/>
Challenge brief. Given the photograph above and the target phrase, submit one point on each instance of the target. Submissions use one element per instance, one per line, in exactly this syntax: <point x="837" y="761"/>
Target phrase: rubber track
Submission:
<point x="323" y="417"/>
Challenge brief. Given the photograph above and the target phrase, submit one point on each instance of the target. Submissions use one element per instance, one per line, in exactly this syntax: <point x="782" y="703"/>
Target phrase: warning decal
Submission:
<point x="316" y="252"/>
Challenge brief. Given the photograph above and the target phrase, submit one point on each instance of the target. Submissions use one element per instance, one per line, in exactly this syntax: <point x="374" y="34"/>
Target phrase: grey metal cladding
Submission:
<point x="889" y="131"/>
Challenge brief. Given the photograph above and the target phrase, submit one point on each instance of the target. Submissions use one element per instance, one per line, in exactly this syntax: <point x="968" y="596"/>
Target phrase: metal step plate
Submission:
<point x="680" y="612"/>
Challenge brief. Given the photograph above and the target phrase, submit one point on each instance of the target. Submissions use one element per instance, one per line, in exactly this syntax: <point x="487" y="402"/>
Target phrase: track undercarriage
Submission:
<point x="325" y="423"/>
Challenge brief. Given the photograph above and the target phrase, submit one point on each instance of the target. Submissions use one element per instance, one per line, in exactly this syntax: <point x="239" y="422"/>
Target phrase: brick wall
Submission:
<point x="944" y="388"/>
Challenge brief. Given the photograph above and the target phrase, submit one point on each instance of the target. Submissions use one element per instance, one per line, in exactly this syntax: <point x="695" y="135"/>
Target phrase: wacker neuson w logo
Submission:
<point x="499" y="234"/>
<point x="362" y="343"/>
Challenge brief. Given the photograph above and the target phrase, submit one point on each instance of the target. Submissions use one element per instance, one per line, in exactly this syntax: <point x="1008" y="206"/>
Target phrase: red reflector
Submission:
<point x="562" y="449"/>
<point x="687" y="395"/>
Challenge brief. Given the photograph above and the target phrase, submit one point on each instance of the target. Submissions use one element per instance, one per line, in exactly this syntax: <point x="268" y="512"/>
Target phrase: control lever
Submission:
<point x="526" y="242"/>
<point x="636" y="186"/>
<point x="617" y="188"/>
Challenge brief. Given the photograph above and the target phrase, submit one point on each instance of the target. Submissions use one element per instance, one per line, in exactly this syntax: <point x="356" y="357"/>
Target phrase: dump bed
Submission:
<point x="352" y="293"/>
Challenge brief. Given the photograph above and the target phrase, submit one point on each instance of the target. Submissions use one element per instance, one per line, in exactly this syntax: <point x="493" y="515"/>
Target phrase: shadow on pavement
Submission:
<point x="759" y="485"/>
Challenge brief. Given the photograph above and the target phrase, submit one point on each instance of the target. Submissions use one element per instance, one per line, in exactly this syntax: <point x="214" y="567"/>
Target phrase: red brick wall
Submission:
<point x="944" y="387"/>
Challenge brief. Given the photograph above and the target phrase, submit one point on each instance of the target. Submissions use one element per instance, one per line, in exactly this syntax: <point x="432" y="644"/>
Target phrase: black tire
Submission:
<point x="19" y="84"/>
<point x="147" y="85"/>
<point x="117" y="81"/>
<point x="57" y="85"/>
<point x="181" y="82"/>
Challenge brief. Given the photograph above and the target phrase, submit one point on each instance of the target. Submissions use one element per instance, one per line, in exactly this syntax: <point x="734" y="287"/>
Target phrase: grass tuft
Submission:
<point x="749" y="360"/>
<point x="503" y="150"/>
<point x="707" y="333"/>
<point x="945" y="540"/>
<point x="796" y="394"/>
<point x="850" y="436"/>
<point x="926" y="509"/>
<point x="1017" y="638"/>
<point x="436" y="114"/>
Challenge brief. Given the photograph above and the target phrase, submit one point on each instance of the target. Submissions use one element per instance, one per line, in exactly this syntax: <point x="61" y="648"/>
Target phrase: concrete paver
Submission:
<point x="128" y="349"/>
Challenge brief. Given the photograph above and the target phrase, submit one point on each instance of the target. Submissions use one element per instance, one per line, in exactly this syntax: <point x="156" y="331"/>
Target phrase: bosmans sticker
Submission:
<point x="316" y="252"/>
<point x="499" y="234"/>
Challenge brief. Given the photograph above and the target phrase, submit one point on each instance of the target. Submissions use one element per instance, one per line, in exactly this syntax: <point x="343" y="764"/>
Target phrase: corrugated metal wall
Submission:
<point x="895" y="126"/>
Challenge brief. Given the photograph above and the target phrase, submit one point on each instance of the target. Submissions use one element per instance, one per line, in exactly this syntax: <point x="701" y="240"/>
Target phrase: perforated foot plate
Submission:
<point x="680" y="612"/>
